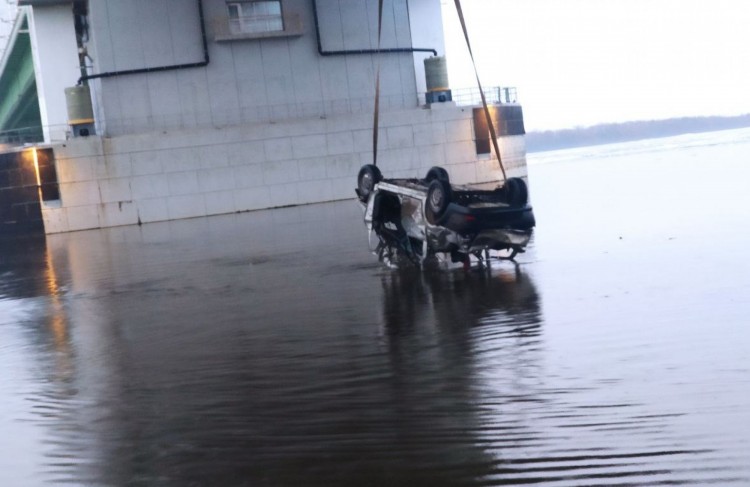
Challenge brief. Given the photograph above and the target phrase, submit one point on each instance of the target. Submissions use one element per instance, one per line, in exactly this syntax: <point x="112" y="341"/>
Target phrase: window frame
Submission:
<point x="242" y="21"/>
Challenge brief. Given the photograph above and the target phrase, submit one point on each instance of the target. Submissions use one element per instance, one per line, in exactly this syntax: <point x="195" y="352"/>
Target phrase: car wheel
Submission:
<point x="438" y="199"/>
<point x="437" y="172"/>
<point x="516" y="192"/>
<point x="368" y="177"/>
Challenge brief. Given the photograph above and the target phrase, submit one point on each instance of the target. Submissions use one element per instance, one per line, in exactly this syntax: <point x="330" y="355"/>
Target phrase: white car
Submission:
<point x="417" y="218"/>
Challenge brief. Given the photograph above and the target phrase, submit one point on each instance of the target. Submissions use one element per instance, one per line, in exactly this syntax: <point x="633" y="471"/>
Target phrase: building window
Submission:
<point x="255" y="16"/>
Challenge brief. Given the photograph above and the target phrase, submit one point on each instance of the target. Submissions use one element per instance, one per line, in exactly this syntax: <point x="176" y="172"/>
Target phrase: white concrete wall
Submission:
<point x="55" y="53"/>
<point x="153" y="177"/>
<point x="247" y="80"/>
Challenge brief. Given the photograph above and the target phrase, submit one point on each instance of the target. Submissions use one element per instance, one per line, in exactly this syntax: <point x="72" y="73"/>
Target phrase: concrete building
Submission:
<point x="203" y="107"/>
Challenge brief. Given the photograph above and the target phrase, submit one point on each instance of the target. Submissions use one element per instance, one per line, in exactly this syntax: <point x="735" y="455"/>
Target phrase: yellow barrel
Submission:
<point x="436" y="73"/>
<point x="78" y="99"/>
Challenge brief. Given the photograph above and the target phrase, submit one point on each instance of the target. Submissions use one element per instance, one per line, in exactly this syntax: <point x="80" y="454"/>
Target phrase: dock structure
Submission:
<point x="129" y="112"/>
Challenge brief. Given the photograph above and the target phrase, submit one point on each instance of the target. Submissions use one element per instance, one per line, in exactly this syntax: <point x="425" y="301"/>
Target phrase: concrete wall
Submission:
<point x="248" y="79"/>
<point x="153" y="177"/>
<point x="55" y="54"/>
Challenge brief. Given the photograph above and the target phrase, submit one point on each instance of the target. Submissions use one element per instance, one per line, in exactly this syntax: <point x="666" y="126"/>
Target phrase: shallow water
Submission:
<point x="270" y="348"/>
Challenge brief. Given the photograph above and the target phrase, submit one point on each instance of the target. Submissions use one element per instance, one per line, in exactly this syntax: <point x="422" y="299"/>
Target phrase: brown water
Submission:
<point x="270" y="348"/>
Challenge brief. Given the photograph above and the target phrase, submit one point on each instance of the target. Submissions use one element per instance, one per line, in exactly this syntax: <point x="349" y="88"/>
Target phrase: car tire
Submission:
<point x="516" y="192"/>
<point x="437" y="172"/>
<point x="438" y="199"/>
<point x="369" y="176"/>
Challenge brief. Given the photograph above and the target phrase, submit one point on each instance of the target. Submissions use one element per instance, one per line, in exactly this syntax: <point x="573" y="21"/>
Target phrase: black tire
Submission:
<point x="437" y="172"/>
<point x="516" y="192"/>
<point x="438" y="198"/>
<point x="368" y="177"/>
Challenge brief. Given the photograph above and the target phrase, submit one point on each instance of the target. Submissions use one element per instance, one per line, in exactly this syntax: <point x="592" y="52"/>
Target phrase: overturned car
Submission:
<point x="419" y="218"/>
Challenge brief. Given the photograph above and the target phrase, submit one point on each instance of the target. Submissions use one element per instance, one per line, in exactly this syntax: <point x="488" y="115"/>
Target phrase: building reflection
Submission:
<point x="460" y="300"/>
<point x="228" y="360"/>
<point x="28" y="273"/>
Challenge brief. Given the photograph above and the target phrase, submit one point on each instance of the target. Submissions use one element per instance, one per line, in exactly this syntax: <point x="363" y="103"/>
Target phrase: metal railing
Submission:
<point x="493" y="94"/>
<point x="21" y="136"/>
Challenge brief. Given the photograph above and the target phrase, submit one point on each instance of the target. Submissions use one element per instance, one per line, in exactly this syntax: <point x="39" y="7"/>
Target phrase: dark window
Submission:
<point x="47" y="175"/>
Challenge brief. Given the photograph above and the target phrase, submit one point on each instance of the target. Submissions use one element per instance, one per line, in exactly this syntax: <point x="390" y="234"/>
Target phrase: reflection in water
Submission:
<point x="31" y="300"/>
<point x="270" y="348"/>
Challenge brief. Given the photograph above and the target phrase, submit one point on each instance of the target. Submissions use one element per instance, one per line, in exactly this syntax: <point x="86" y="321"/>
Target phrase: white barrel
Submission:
<point x="436" y="73"/>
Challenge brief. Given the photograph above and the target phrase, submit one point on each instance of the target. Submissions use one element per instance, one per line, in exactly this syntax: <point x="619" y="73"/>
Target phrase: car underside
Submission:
<point x="415" y="219"/>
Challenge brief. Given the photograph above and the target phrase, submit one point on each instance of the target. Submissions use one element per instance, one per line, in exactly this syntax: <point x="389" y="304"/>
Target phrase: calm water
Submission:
<point x="270" y="348"/>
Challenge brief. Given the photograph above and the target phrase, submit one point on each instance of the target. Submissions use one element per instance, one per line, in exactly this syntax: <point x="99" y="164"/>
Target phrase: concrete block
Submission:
<point x="431" y="155"/>
<point x="365" y="157"/>
<point x="295" y="128"/>
<point x="79" y="147"/>
<point x="340" y="143"/>
<point x="422" y="134"/>
<point x="219" y="202"/>
<point x="309" y="146"/>
<point x="400" y="137"/>
<point x="55" y="220"/>
<point x="79" y="194"/>
<point x="280" y="172"/>
<point x="407" y="117"/>
<point x="439" y="132"/>
<point x="252" y="198"/>
<point x="75" y="170"/>
<point x="314" y="191"/>
<point x="117" y="214"/>
<point x="459" y="130"/>
<point x="152" y="210"/>
<point x="278" y="149"/>
<point x="251" y="152"/>
<point x="181" y="183"/>
<point x="212" y="156"/>
<point x="343" y="188"/>
<point x="398" y="160"/>
<point x="460" y="152"/>
<point x="249" y="176"/>
<point x="220" y="179"/>
<point x="518" y="172"/>
<point x="83" y="217"/>
<point x="283" y="195"/>
<point x="113" y="165"/>
<point x="114" y="190"/>
<point x="153" y="186"/>
<point x="488" y="170"/>
<point x="445" y="114"/>
<point x="143" y="163"/>
<point x="464" y="173"/>
<point x="345" y="166"/>
<point x="186" y="206"/>
<point x="340" y="123"/>
<point x="314" y="168"/>
<point x="177" y="160"/>
<point x="362" y="139"/>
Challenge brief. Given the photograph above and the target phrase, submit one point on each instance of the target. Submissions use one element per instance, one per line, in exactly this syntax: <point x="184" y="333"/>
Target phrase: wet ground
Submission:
<point x="270" y="348"/>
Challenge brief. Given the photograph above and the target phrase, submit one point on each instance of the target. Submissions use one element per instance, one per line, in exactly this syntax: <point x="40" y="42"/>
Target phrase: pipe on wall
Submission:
<point x="156" y="69"/>
<point x="323" y="52"/>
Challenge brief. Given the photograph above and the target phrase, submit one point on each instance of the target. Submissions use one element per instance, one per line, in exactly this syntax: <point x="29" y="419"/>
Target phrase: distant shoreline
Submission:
<point x="629" y="131"/>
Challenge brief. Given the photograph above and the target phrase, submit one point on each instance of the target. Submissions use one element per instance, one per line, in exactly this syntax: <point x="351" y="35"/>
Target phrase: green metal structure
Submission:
<point x="20" y="118"/>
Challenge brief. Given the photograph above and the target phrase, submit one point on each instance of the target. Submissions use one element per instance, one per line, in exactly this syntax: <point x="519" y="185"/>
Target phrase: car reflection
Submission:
<point x="460" y="300"/>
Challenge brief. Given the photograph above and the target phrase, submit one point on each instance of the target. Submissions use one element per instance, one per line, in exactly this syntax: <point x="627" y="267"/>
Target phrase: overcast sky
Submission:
<point x="583" y="62"/>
